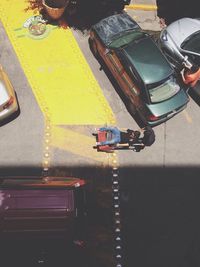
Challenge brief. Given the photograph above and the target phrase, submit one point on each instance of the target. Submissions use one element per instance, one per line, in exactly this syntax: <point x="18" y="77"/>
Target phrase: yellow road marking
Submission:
<point x="57" y="71"/>
<point x="77" y="143"/>
<point x="187" y="116"/>
<point x="61" y="80"/>
<point x="142" y="7"/>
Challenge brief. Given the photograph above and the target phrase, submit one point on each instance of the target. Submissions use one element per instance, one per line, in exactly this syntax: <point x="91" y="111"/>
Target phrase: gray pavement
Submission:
<point x="160" y="185"/>
<point x="148" y="20"/>
<point x="21" y="140"/>
<point x="172" y="148"/>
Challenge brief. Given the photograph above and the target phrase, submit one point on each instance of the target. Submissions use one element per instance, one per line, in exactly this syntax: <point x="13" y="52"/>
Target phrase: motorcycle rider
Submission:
<point x="129" y="137"/>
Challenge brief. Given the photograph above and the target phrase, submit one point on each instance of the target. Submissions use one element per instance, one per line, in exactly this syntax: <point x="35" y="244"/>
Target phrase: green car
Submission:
<point x="139" y="67"/>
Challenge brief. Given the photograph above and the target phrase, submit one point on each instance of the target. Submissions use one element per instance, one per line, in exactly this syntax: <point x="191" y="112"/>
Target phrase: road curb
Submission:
<point x="142" y="7"/>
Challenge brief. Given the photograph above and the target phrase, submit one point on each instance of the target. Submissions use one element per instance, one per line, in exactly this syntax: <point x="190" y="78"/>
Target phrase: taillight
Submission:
<point x="153" y="117"/>
<point x="9" y="103"/>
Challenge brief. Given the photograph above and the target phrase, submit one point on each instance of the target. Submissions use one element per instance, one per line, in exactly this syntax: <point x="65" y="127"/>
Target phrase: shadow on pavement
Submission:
<point x="159" y="218"/>
<point x="83" y="14"/>
<point x="195" y="93"/>
<point x="80" y="14"/>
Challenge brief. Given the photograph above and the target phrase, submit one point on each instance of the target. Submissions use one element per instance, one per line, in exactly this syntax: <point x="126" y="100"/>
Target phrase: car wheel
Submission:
<point x="143" y="120"/>
<point x="93" y="48"/>
<point x="132" y="109"/>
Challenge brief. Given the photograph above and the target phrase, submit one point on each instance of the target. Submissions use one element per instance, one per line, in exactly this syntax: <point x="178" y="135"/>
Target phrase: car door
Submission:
<point x="124" y="80"/>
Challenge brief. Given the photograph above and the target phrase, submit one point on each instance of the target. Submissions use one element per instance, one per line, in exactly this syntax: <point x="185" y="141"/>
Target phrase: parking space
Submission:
<point x="54" y="132"/>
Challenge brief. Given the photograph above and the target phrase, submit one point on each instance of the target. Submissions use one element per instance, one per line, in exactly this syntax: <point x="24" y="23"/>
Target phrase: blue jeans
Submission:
<point x="115" y="138"/>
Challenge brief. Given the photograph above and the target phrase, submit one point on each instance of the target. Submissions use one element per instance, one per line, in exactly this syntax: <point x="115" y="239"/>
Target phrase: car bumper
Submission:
<point x="168" y="116"/>
<point x="6" y="113"/>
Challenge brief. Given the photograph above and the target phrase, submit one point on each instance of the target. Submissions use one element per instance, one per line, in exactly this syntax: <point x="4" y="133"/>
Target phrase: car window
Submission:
<point x="120" y="68"/>
<point x="148" y="60"/>
<point x="163" y="91"/>
<point x="130" y="83"/>
<point x="193" y="58"/>
<point x="192" y="43"/>
<point x="115" y="61"/>
<point x="125" y="39"/>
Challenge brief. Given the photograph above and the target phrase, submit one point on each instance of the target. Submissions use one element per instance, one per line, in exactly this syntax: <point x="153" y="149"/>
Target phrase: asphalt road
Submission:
<point x="160" y="185"/>
<point x="176" y="140"/>
<point x="21" y="140"/>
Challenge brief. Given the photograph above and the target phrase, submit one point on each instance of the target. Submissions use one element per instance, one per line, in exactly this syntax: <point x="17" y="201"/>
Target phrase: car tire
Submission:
<point x="132" y="109"/>
<point x="93" y="48"/>
<point x="139" y="117"/>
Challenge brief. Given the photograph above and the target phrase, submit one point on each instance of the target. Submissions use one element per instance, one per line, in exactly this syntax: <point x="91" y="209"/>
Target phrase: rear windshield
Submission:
<point x="148" y="60"/>
<point x="125" y="39"/>
<point x="163" y="91"/>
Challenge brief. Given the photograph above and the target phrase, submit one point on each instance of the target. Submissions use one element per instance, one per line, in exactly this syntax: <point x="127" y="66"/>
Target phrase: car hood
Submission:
<point x="170" y="105"/>
<point x="182" y="29"/>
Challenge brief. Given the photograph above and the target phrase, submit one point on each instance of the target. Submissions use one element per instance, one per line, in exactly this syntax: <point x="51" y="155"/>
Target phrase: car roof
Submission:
<point x="108" y="28"/>
<point x="148" y="60"/>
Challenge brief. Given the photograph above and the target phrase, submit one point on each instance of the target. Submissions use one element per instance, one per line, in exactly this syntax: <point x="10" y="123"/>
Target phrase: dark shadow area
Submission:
<point x="159" y="219"/>
<point x="174" y="10"/>
<point x="20" y="171"/>
<point x="49" y="253"/>
<point x="95" y="230"/>
<point x="194" y="93"/>
<point x="79" y="14"/>
<point x="83" y="14"/>
<point x="10" y="118"/>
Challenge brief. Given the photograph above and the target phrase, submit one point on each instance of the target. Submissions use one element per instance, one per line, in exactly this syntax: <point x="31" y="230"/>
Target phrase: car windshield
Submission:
<point x="192" y="43"/>
<point x="124" y="39"/>
<point x="163" y="90"/>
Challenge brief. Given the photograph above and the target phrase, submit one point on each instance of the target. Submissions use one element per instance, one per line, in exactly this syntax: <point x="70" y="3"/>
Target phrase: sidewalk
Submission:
<point x="145" y="14"/>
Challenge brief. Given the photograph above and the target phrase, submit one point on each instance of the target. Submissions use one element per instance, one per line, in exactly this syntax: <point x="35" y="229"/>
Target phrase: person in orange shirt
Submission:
<point x="191" y="76"/>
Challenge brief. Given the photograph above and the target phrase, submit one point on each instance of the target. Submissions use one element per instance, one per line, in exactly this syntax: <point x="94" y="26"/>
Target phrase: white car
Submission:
<point x="8" y="100"/>
<point x="181" y="41"/>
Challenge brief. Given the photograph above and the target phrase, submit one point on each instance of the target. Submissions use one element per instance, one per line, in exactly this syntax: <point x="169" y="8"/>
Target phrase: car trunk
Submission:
<point x="171" y="105"/>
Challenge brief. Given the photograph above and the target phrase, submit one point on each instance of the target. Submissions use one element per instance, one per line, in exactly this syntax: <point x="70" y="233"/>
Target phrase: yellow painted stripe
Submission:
<point x="142" y="7"/>
<point x="57" y="71"/>
<point x="77" y="143"/>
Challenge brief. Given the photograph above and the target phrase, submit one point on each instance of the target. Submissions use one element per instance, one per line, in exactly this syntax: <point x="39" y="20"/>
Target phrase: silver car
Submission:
<point x="180" y="41"/>
<point x="8" y="101"/>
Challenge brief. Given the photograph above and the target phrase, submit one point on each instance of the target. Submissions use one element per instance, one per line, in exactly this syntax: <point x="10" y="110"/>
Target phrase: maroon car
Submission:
<point x="36" y="208"/>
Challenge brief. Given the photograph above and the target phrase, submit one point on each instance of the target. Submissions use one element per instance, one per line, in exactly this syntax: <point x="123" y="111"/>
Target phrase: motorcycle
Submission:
<point x="107" y="135"/>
